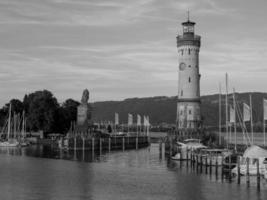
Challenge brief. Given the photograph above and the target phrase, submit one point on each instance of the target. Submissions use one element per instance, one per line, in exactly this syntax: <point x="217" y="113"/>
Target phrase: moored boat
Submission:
<point x="250" y="157"/>
<point x="187" y="147"/>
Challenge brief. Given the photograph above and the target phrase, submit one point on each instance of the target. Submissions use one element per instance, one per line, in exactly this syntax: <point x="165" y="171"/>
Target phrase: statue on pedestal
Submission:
<point x="84" y="110"/>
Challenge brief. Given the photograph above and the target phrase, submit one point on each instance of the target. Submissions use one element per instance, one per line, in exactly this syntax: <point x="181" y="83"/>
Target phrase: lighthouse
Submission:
<point x="188" y="102"/>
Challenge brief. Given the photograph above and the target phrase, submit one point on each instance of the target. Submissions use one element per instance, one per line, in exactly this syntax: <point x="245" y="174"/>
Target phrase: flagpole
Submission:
<point x="235" y="116"/>
<point x="251" y="120"/>
<point x="263" y="123"/>
<point x="226" y="108"/>
<point x="220" y="113"/>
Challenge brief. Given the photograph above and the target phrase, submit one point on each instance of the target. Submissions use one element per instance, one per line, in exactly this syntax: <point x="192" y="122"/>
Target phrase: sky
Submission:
<point x="121" y="49"/>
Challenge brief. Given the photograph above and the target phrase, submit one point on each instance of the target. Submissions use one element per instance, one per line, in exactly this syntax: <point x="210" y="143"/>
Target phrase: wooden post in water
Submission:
<point x="258" y="175"/>
<point x="238" y="170"/>
<point x="210" y="164"/>
<point x="170" y="149"/>
<point x="83" y="143"/>
<point x="160" y="146"/>
<point x="123" y="143"/>
<point x="136" y="143"/>
<point x="75" y="144"/>
<point x="93" y="145"/>
<point x="247" y="174"/>
<point x="229" y="167"/>
<point x="206" y="164"/>
<point x="191" y="158"/>
<point x="216" y="167"/>
<point x="109" y="144"/>
<point x="100" y="146"/>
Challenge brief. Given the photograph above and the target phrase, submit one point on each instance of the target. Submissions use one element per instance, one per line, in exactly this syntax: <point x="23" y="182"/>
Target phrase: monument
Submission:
<point x="84" y="113"/>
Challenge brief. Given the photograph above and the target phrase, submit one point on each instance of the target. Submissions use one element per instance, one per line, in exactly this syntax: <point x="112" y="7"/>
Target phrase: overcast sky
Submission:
<point x="127" y="48"/>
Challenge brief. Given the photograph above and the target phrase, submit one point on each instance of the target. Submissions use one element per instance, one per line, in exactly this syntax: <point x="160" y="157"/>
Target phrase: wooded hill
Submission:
<point x="162" y="109"/>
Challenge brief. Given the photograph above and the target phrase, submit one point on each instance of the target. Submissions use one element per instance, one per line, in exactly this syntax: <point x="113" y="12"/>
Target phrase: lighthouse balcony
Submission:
<point x="188" y="39"/>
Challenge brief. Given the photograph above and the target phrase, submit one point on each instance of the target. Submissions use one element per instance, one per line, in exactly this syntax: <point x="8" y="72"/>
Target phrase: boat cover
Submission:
<point x="255" y="152"/>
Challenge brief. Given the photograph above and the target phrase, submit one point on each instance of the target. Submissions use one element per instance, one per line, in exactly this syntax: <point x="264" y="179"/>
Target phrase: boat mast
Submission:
<point x="226" y="108"/>
<point x="251" y="120"/>
<point x="263" y="123"/>
<point x="220" y="113"/>
<point x="9" y="121"/>
<point x="235" y="116"/>
<point x="23" y="124"/>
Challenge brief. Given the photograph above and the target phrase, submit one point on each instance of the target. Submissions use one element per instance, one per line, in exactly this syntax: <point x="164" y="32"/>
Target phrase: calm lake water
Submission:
<point x="43" y="173"/>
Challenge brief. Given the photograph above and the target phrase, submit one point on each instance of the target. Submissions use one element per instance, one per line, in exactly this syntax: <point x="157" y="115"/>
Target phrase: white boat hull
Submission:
<point x="9" y="144"/>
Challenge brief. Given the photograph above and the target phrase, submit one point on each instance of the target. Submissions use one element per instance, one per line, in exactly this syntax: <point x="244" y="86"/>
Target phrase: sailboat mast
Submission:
<point x="220" y="114"/>
<point x="226" y="108"/>
<point x="9" y="121"/>
<point x="263" y="123"/>
<point x="23" y="124"/>
<point x="251" y="120"/>
<point x="235" y="116"/>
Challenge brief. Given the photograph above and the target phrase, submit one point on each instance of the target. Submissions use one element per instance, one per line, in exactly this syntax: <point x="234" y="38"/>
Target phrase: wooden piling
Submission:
<point x="238" y="170"/>
<point x="247" y="174"/>
<point x="160" y="149"/>
<point x="210" y="164"/>
<point x="170" y="149"/>
<point x="136" y="143"/>
<point x="109" y="144"/>
<point x="93" y="145"/>
<point x="83" y="143"/>
<point x="75" y="144"/>
<point x="100" y="145"/>
<point x="258" y="175"/>
<point x="216" y="164"/>
<point x="229" y="167"/>
<point x="123" y="144"/>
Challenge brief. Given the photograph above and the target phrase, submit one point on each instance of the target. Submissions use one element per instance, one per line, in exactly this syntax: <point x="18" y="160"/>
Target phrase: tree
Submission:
<point x="65" y="115"/>
<point x="41" y="108"/>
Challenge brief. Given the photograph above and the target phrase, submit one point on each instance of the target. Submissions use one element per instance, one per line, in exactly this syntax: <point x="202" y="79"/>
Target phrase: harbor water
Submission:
<point x="46" y="173"/>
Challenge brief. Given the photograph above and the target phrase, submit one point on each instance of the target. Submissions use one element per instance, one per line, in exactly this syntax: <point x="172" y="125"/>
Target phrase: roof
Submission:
<point x="188" y="23"/>
<point x="255" y="152"/>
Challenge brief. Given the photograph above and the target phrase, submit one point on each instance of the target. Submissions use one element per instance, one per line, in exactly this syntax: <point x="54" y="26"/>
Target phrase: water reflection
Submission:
<point x="142" y="174"/>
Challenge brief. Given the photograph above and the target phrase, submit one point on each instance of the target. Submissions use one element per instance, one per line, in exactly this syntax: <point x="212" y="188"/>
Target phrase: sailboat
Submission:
<point x="253" y="152"/>
<point x="9" y="142"/>
<point x="23" y="142"/>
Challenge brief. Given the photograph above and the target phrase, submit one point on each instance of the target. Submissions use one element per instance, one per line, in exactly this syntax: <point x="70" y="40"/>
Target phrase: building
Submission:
<point x="188" y="104"/>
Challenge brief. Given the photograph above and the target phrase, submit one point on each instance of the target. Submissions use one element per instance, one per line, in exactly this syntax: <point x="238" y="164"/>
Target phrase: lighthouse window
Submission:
<point x="189" y="112"/>
<point x="189" y="79"/>
<point x="182" y="52"/>
<point x="189" y="65"/>
<point x="189" y="51"/>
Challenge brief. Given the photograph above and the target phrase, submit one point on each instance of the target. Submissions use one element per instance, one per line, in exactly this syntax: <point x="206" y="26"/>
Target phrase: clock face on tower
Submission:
<point x="182" y="66"/>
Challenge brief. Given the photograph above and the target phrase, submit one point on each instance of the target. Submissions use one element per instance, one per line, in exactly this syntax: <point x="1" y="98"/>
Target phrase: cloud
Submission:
<point x="124" y="48"/>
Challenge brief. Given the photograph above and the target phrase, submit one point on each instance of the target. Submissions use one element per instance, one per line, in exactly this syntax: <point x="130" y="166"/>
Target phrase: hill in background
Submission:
<point x="162" y="109"/>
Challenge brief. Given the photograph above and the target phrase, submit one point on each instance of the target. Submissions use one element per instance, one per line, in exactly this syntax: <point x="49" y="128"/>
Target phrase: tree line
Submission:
<point x="43" y="112"/>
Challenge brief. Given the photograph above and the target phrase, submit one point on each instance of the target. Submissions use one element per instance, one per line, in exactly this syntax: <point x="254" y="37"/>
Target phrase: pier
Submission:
<point x="107" y="143"/>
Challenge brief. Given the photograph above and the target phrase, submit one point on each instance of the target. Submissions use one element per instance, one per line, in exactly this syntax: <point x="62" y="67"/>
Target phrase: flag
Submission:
<point x="145" y="121"/>
<point x="246" y="112"/>
<point x="116" y="119"/>
<point x="232" y="115"/>
<point x="138" y="120"/>
<point x="130" y="119"/>
<point x="265" y="109"/>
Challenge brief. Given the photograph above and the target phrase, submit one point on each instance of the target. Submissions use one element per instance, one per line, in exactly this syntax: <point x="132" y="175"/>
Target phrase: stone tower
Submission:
<point x="188" y="105"/>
